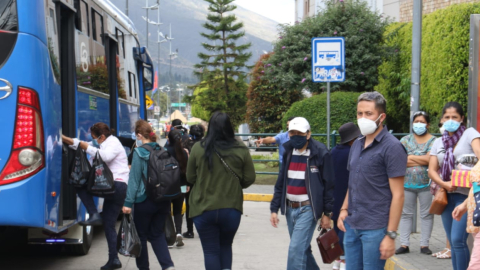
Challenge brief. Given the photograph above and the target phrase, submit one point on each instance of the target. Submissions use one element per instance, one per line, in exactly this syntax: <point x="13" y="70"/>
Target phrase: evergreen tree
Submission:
<point x="222" y="67"/>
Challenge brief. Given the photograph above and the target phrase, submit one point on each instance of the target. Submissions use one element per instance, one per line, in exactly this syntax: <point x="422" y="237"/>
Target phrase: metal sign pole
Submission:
<point x="328" y="115"/>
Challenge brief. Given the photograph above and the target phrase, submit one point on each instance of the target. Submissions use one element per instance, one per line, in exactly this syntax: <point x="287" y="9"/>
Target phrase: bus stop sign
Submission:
<point x="328" y="59"/>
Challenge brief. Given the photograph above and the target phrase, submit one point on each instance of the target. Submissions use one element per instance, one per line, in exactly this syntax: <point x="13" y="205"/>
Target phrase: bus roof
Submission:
<point x="117" y="15"/>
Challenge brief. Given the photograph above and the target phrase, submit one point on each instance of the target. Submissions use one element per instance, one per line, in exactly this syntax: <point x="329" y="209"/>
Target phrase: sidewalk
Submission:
<point x="411" y="261"/>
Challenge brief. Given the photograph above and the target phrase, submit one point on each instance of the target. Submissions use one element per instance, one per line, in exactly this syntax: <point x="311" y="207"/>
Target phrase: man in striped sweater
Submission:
<point x="303" y="192"/>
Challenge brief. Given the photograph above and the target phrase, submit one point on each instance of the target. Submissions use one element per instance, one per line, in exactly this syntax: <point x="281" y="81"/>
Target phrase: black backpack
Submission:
<point x="163" y="183"/>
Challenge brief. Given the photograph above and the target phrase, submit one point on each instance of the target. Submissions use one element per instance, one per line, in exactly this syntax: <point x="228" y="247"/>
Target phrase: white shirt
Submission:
<point x="113" y="154"/>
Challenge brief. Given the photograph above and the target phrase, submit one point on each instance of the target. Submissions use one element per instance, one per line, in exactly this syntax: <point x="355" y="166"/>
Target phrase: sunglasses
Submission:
<point x="419" y="113"/>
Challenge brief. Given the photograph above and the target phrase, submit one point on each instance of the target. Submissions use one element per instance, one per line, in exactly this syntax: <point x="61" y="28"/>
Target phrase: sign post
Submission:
<point x="328" y="65"/>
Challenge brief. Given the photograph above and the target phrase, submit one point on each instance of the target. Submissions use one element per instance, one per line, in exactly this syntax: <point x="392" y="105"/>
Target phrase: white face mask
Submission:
<point x="442" y="130"/>
<point x="367" y="126"/>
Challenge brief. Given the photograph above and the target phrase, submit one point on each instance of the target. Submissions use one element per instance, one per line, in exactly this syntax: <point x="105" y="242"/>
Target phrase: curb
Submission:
<point x="257" y="197"/>
<point x="395" y="263"/>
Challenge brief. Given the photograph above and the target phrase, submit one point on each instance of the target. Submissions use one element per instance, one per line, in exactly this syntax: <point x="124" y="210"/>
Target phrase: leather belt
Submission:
<point x="297" y="204"/>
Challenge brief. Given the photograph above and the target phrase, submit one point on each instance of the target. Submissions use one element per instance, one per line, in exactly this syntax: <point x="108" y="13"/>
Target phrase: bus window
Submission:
<point x="147" y="77"/>
<point x="132" y="85"/>
<point x="97" y="26"/>
<point x="121" y="42"/>
<point x="85" y="23"/>
<point x="8" y="15"/>
<point x="53" y="42"/>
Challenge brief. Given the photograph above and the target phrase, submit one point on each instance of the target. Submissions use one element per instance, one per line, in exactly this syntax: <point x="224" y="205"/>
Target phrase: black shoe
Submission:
<point x="425" y="250"/>
<point x="112" y="264"/>
<point x="402" y="250"/>
<point x="188" y="235"/>
<point x="94" y="220"/>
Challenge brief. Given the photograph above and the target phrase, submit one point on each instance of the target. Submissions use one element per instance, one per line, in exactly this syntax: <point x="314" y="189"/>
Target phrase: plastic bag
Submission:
<point x="128" y="242"/>
<point x="101" y="181"/>
<point x="80" y="169"/>
<point x="170" y="231"/>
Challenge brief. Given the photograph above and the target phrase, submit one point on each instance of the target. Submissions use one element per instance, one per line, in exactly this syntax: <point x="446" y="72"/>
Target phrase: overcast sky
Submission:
<point x="282" y="11"/>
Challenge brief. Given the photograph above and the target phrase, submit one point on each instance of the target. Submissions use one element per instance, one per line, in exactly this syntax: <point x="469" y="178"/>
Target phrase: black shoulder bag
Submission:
<point x="226" y="165"/>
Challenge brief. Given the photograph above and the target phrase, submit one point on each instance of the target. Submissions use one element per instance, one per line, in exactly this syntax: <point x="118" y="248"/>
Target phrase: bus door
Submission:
<point x="145" y="75"/>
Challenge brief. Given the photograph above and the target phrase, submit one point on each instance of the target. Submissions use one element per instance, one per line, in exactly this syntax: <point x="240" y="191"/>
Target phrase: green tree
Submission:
<point x="163" y="101"/>
<point x="290" y="67"/>
<point x="222" y="66"/>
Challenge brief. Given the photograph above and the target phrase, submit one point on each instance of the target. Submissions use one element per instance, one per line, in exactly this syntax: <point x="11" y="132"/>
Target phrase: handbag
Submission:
<point x="226" y="165"/>
<point x="439" y="202"/>
<point x="170" y="231"/>
<point x="101" y="182"/>
<point x="329" y="245"/>
<point x="128" y="242"/>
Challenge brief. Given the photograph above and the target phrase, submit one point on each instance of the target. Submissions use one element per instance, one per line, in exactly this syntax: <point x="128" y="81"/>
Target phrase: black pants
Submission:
<point x="149" y="218"/>
<point x="112" y="205"/>
<point x="187" y="213"/>
<point x="177" y="213"/>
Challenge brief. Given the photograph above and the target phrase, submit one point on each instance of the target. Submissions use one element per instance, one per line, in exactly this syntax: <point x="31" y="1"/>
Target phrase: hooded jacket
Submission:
<point x="319" y="179"/>
<point x="136" y="188"/>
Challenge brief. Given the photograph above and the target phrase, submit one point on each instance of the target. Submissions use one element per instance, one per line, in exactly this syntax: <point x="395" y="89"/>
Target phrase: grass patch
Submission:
<point x="265" y="179"/>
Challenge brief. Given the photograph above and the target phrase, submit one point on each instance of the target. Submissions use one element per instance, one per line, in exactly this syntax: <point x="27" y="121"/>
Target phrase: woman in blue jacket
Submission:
<point x="149" y="216"/>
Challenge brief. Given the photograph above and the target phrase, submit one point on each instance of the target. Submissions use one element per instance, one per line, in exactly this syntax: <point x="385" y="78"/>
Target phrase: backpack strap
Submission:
<point x="149" y="149"/>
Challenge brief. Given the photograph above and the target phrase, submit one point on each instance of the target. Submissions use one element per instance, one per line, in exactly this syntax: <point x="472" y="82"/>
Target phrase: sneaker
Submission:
<point x="180" y="240"/>
<point x="402" y="250"/>
<point x="336" y="265"/>
<point x="343" y="266"/>
<point x="425" y="250"/>
<point x="188" y="235"/>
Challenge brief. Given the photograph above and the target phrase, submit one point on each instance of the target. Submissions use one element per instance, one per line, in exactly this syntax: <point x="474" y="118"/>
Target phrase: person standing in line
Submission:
<point x="168" y="126"/>
<point x="219" y="167"/>
<point x="303" y="192"/>
<point x="417" y="184"/>
<point x="176" y="149"/>
<point x="279" y="139"/>
<point x="373" y="206"/>
<point x="113" y="154"/>
<point x="149" y="216"/>
<point x="349" y="132"/>
<point x="455" y="142"/>
<point x="196" y="134"/>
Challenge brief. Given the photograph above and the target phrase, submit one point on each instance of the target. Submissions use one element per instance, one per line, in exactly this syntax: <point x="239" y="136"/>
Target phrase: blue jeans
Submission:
<point x="301" y="225"/>
<point x="456" y="232"/>
<point x="362" y="248"/>
<point x="216" y="229"/>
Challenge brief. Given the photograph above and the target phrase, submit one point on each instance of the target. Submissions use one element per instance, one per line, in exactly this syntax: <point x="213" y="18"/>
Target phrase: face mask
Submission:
<point x="451" y="125"/>
<point x="367" y="126"/>
<point x="298" y="141"/>
<point x="442" y="130"/>
<point x="419" y="128"/>
<point x="139" y="143"/>
<point x="95" y="143"/>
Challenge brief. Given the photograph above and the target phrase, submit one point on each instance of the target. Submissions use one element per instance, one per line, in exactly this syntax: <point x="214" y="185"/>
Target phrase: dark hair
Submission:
<point x="220" y="135"/>
<point x="421" y="113"/>
<point x="196" y="134"/>
<point x="99" y="129"/>
<point x="143" y="127"/>
<point x="377" y="98"/>
<point x="453" y="104"/>
<point x="291" y="118"/>
<point x="176" y="122"/>
<point x="175" y="141"/>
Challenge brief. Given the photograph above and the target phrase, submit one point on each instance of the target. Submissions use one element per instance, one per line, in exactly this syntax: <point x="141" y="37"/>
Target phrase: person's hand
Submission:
<point x="126" y="210"/>
<point x="326" y="222"/>
<point x="448" y="186"/>
<point x="459" y="211"/>
<point x="274" y="220"/>
<point x="188" y="189"/>
<point x="387" y="248"/>
<point x="259" y="141"/>
<point x="341" y="217"/>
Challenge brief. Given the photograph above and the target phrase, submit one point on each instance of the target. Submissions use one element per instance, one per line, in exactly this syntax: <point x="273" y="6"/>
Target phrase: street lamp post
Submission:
<point x="174" y="54"/>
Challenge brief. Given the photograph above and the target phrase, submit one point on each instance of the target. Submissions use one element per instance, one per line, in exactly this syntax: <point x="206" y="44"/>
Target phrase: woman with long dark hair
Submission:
<point x="175" y="148"/>
<point x="113" y="154"/>
<point x="196" y="134"/>
<point x="219" y="168"/>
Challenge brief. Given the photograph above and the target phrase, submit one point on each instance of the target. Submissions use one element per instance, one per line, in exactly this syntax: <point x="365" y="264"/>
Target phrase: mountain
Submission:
<point x="186" y="18"/>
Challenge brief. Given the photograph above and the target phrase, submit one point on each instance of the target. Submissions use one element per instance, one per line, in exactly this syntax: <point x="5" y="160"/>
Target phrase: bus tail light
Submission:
<point x="27" y="157"/>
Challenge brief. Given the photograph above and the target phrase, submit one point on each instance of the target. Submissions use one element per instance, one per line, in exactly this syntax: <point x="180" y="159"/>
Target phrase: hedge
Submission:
<point x="444" y="69"/>
<point x="343" y="109"/>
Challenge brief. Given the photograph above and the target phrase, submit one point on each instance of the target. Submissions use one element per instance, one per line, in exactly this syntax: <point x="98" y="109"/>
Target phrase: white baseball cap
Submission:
<point x="300" y="124"/>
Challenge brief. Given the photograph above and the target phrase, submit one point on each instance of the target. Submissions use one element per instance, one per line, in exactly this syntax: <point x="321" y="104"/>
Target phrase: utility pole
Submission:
<point x="170" y="38"/>
<point x="149" y="22"/>
<point x="416" y="66"/>
<point x="126" y="8"/>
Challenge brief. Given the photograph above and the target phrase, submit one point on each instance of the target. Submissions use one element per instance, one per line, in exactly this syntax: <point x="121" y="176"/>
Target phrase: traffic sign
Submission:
<point x="328" y="59"/>
<point x="179" y="104"/>
<point x="148" y="102"/>
<point x="156" y="109"/>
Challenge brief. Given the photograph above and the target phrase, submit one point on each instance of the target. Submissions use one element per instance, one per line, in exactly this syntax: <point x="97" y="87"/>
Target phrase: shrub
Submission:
<point x="343" y="108"/>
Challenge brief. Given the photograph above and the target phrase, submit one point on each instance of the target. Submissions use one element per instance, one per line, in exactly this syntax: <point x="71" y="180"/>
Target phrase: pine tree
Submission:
<point x="223" y="65"/>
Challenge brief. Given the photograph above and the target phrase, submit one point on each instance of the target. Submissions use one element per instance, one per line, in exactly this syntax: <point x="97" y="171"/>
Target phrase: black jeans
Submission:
<point x="112" y="205"/>
<point x="149" y="218"/>
<point x="177" y="213"/>
<point x="187" y="213"/>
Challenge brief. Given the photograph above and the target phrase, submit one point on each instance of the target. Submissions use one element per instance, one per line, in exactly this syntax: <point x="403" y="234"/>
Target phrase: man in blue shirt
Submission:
<point x="373" y="206"/>
<point x="279" y="139"/>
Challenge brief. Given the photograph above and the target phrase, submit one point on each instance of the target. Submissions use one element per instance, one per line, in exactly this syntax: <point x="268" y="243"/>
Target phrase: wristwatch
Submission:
<point x="328" y="214"/>
<point x="392" y="234"/>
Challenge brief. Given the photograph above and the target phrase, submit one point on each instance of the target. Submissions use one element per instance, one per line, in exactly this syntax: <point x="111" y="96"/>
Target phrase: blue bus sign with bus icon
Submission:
<point x="328" y="59"/>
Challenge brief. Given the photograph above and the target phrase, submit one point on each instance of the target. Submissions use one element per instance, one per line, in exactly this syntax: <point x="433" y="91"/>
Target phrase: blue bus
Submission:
<point x="64" y="65"/>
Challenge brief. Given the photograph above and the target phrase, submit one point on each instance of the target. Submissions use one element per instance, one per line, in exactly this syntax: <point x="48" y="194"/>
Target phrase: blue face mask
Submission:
<point x="451" y="125"/>
<point x="139" y="143"/>
<point x="419" y="128"/>
<point x="298" y="141"/>
<point x="95" y="143"/>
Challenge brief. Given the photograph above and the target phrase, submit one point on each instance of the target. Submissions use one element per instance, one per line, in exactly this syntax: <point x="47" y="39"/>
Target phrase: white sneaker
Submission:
<point x="343" y="266"/>
<point x="180" y="240"/>
<point x="336" y="265"/>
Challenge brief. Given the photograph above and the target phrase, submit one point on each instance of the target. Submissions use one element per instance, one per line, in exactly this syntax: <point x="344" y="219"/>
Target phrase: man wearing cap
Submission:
<point x="303" y="192"/>
<point x="349" y="132"/>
